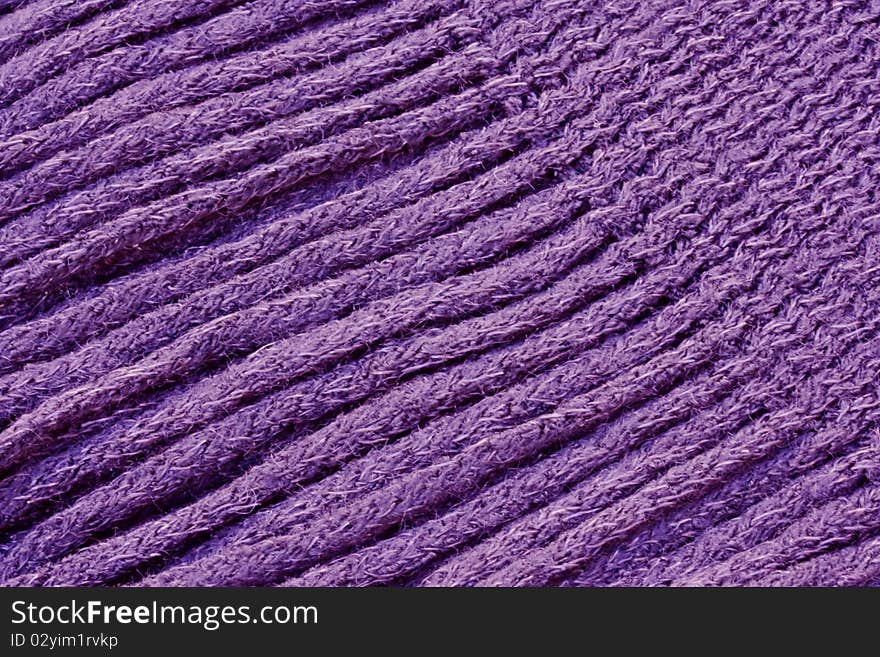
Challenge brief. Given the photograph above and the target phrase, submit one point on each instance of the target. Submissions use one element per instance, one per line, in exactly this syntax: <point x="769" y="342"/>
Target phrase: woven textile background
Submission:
<point x="440" y="292"/>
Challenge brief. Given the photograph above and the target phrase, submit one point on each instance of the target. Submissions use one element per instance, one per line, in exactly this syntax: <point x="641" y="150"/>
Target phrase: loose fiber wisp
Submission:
<point x="439" y="292"/>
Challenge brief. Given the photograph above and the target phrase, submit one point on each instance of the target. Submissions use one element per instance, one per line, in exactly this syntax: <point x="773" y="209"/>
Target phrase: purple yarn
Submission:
<point x="440" y="293"/>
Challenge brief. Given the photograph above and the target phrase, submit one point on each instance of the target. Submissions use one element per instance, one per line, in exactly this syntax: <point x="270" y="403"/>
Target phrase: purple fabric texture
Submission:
<point x="439" y="292"/>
